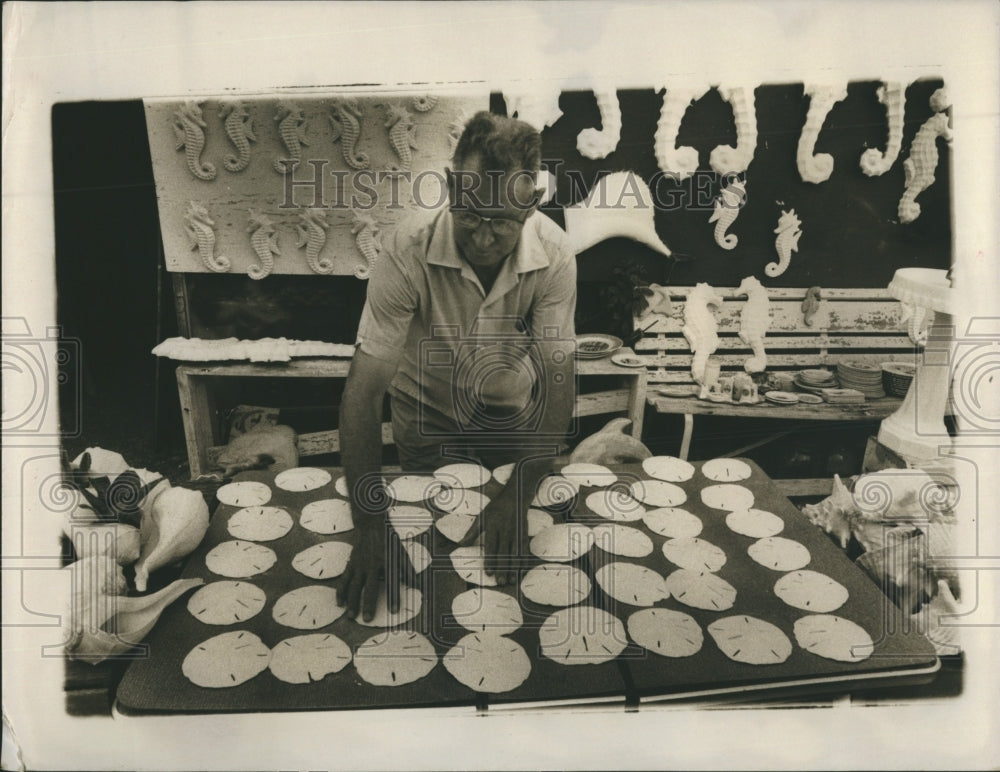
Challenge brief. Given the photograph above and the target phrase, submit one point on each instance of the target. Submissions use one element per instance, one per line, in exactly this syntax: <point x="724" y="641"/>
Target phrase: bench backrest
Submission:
<point x="856" y="325"/>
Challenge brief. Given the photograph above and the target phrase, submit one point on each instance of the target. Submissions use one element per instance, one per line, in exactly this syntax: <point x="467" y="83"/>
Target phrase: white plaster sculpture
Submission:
<point x="873" y="161"/>
<point x="817" y="168"/>
<point x="919" y="168"/>
<point x="755" y="318"/>
<point x="312" y="228"/>
<point x="726" y="159"/>
<point x="200" y="230"/>
<point x="366" y="236"/>
<point x="679" y="161"/>
<point x="600" y="143"/>
<point x="537" y="104"/>
<point x="700" y="326"/>
<point x="727" y="209"/>
<point x="619" y="204"/>
<point x="291" y="120"/>
<point x="786" y="242"/>
<point x="264" y="241"/>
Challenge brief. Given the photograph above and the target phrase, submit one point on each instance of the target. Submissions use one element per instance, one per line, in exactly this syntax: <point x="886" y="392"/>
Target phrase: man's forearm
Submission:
<point x="361" y="451"/>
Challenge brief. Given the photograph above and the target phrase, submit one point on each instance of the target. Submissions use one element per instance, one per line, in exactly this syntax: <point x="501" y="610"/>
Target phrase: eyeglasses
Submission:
<point x="504" y="227"/>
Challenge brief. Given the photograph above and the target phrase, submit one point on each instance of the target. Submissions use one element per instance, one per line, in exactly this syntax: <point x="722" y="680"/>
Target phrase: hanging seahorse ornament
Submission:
<point x="190" y="137"/>
<point x="264" y="241"/>
<point x="401" y="137"/>
<point x="600" y="143"/>
<point x="786" y="242"/>
<point x="346" y="122"/>
<point x="700" y="327"/>
<point x="424" y="103"/>
<point x="366" y="236"/>
<point x="919" y="168"/>
<point x="538" y="106"/>
<point x="727" y="209"/>
<point x="755" y="318"/>
<point x="312" y="235"/>
<point x="239" y="129"/>
<point x="679" y="161"/>
<point x="873" y="161"/>
<point x="292" y="130"/>
<point x="200" y="229"/>
<point x="818" y="167"/>
<point x="726" y="159"/>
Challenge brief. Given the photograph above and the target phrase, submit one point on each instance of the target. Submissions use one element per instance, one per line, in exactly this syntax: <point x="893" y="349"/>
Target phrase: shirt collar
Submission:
<point x="529" y="255"/>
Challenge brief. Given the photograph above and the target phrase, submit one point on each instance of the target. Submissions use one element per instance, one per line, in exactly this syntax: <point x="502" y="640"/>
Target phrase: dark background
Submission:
<point x="115" y="297"/>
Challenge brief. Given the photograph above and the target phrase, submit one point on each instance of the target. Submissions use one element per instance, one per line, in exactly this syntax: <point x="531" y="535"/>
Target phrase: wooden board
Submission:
<point x="323" y="180"/>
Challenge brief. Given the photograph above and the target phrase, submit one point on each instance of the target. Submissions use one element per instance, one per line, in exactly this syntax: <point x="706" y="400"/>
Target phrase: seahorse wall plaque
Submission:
<point x="223" y="152"/>
<point x="727" y="209"/>
<point x="755" y="318"/>
<point x="874" y="162"/>
<point x="366" y="236"/>
<point x="679" y="161"/>
<point x="786" y="242"/>
<point x="600" y="143"/>
<point x="701" y="327"/>
<point x="817" y="167"/>
<point x="726" y="159"/>
<point x="919" y="168"/>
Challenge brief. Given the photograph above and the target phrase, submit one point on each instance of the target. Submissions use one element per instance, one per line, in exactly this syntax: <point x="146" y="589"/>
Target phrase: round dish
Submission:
<point x="596" y="346"/>
<point x="782" y="397"/>
<point x="623" y="359"/>
<point x="810" y="399"/>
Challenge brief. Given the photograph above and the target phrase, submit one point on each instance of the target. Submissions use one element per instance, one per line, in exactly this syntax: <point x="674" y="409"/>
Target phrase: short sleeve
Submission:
<point x="389" y="306"/>
<point x="552" y="315"/>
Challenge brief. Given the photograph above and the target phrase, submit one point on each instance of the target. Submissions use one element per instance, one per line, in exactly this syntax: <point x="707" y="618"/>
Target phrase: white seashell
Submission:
<point x="620" y="204"/>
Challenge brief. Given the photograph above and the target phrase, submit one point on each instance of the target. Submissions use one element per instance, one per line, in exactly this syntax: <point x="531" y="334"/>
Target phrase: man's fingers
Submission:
<point x="392" y="593"/>
<point x="353" y="593"/>
<point x="369" y="595"/>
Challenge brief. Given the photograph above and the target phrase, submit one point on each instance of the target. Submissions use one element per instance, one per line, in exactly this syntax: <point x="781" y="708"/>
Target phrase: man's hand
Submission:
<point x="503" y="528"/>
<point x="378" y="555"/>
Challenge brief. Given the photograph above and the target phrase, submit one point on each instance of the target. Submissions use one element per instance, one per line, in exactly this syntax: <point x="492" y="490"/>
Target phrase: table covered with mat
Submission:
<point x="156" y="683"/>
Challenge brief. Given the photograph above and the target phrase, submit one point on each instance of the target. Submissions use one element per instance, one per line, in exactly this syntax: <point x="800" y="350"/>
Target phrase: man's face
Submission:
<point x="510" y="198"/>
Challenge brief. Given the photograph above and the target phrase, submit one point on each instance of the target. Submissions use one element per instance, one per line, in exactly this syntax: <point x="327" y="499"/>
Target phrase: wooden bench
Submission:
<point x="203" y="433"/>
<point x="853" y="325"/>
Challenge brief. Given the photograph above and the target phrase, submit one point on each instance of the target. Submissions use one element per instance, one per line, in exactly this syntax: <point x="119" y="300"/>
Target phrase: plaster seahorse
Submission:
<point x="810" y="305"/>
<point x="700" y="326"/>
<point x="346" y="122"/>
<point x="682" y="161"/>
<point x="754" y="321"/>
<point x="594" y="143"/>
<point x="424" y="103"/>
<point x="726" y="159"/>
<point x="456" y="127"/>
<point x="916" y="320"/>
<point x="366" y="236"/>
<point x="538" y="107"/>
<point x="239" y="129"/>
<point x="292" y="130"/>
<point x="873" y="161"/>
<point x="201" y="233"/>
<point x="786" y="242"/>
<point x="264" y="241"/>
<point x="817" y="168"/>
<point x="401" y="129"/>
<point x="727" y="209"/>
<point x="190" y="137"/>
<point x="919" y="168"/>
<point x="312" y="235"/>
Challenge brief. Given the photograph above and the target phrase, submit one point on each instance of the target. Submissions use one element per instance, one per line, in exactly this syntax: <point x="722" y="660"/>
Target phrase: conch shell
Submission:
<point x="118" y="540"/>
<point x="610" y="446"/>
<point x="102" y="621"/>
<point x="176" y="525"/>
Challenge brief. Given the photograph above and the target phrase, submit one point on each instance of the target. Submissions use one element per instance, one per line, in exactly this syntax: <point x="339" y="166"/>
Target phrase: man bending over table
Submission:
<point x="468" y="325"/>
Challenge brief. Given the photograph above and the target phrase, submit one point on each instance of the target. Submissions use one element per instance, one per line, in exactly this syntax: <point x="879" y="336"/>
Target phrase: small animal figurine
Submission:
<point x="264" y="241"/>
<point x="366" y="236"/>
<point x="919" y="168"/>
<point x="727" y="209"/>
<point x="754" y="321"/>
<point x="401" y="134"/>
<point x="786" y="242"/>
<point x="744" y="390"/>
<point x="346" y="122"/>
<point x="700" y="326"/>
<point x="239" y="129"/>
<point x="810" y="305"/>
<point x="188" y="125"/>
<point x="312" y="229"/>
<point x="200" y="230"/>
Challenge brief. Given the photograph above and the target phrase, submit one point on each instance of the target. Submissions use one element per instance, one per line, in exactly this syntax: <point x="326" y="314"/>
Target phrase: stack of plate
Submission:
<point x="861" y="377"/>
<point x="897" y="377"/>
<point x="596" y="346"/>
<point x="843" y="396"/>
<point x="815" y="380"/>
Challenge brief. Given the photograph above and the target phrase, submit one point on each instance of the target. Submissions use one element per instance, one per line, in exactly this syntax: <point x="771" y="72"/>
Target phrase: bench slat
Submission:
<point x="813" y="341"/>
<point x="795" y="293"/>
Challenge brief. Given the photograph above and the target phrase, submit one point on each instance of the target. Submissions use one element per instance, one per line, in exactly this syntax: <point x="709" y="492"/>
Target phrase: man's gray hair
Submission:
<point x="503" y="144"/>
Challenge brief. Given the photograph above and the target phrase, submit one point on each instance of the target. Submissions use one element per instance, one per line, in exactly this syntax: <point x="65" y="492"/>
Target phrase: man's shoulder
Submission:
<point x="413" y="234"/>
<point x="551" y="238"/>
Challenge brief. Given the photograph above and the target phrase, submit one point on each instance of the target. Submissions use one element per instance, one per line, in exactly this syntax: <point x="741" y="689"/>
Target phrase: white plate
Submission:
<point x="627" y="360"/>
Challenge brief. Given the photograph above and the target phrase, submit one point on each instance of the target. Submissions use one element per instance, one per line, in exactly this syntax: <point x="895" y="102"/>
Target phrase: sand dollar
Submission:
<point x="672" y="522"/>
<point x="668" y="468"/>
<point x="455" y="526"/>
<point x="420" y="557"/>
<point x="410" y="603"/>
<point x="615" y="503"/>
<point x="488" y="663"/>
<point x="657" y="493"/>
<point x="538" y="521"/>
<point x="582" y="635"/>
<point x="779" y="553"/>
<point x="487" y="611"/>
<point x="590" y="475"/>
<point x="226" y="603"/>
<point x="463" y="475"/>
<point x="701" y="589"/>
<point x="323" y="561"/>
<point x="665" y="632"/>
<point x="340" y="486"/>
<point x="553" y="584"/>
<point x="307" y="608"/>
<point x="811" y="591"/>
<point x="260" y="523"/>
<point x="562" y="543"/>
<point x="413" y="488"/>
<point x="327" y="516"/>
<point x="394" y="658"/>
<point x="460" y="501"/>
<point x="727" y="496"/>
<point x="694" y="553"/>
<point x="470" y="564"/>
<point x="755" y="523"/>
<point x="308" y="658"/>
<point x="410" y="521"/>
<point x="750" y="640"/>
<point x="244" y="494"/>
<point x="303" y="478"/>
<point x="240" y="559"/>
<point x="622" y="540"/>
<point x="502" y="473"/>
<point x="631" y="583"/>
<point x="833" y="637"/>
<point x="726" y="470"/>
<point x="225" y="660"/>
<point x="555" y="491"/>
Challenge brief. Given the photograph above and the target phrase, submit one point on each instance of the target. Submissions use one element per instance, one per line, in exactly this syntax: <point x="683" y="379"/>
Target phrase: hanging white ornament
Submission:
<point x="818" y="167"/>
<point x="600" y="143"/>
<point x="873" y="161"/>
<point x="679" y="161"/>
<point x="726" y="159"/>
